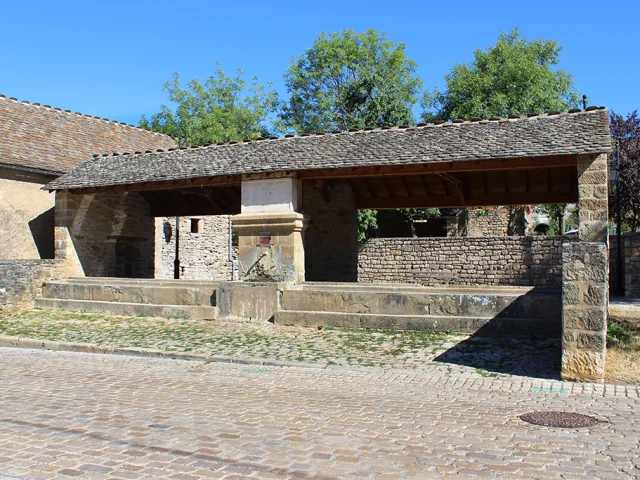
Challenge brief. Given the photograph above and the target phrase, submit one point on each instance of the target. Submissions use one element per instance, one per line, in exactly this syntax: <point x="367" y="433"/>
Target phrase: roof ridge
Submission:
<point x="437" y="124"/>
<point x="80" y="114"/>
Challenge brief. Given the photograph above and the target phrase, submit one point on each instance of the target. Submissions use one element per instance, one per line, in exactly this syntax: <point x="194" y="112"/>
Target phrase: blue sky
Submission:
<point x="110" y="58"/>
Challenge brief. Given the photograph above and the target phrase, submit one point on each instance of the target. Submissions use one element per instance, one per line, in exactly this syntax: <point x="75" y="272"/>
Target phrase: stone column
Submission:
<point x="67" y="263"/>
<point x="584" y="310"/>
<point x="593" y="198"/>
<point x="270" y="230"/>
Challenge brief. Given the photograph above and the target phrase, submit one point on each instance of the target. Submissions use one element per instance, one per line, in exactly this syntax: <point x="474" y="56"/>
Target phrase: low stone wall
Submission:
<point x="527" y="261"/>
<point x="21" y="281"/>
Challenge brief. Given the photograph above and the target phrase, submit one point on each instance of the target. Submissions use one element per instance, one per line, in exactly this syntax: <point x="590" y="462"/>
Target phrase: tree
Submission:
<point x="513" y="77"/>
<point x="222" y="109"/>
<point x="626" y="135"/>
<point x="350" y="80"/>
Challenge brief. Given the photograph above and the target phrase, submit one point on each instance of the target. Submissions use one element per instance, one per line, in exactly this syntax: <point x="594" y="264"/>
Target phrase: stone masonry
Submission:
<point x="584" y="297"/>
<point x="593" y="198"/>
<point x="331" y="239"/>
<point x="527" y="261"/>
<point x="204" y="254"/>
<point x="493" y="222"/>
<point x="104" y="235"/>
<point x="21" y="281"/>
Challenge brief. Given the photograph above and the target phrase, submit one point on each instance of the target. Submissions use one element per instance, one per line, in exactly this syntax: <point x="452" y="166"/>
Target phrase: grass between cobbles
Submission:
<point x="326" y="346"/>
<point x="623" y="351"/>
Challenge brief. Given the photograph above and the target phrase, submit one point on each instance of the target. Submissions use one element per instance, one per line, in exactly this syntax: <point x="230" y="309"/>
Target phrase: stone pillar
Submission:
<point x="584" y="310"/>
<point x="270" y="230"/>
<point x="67" y="262"/>
<point x="593" y="198"/>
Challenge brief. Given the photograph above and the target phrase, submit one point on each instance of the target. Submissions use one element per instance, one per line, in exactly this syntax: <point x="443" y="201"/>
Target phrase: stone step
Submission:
<point x="475" y="303"/>
<point x="192" y="295"/>
<point x="427" y="323"/>
<point x="139" y="281"/>
<point x="186" y="312"/>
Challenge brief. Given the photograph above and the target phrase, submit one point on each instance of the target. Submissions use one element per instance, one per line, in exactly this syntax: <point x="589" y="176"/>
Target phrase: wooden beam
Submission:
<point x="164" y="185"/>
<point x="460" y="166"/>
<point x="457" y="201"/>
<point x="174" y="211"/>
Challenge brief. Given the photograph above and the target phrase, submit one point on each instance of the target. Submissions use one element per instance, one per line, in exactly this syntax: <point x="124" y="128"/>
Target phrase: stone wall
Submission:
<point x="104" y="235"/>
<point x="26" y="215"/>
<point x="204" y="255"/>
<point x="584" y="310"/>
<point x="331" y="238"/>
<point x="593" y="198"/>
<point x="21" y="281"/>
<point x="630" y="264"/>
<point x="531" y="261"/>
<point x="492" y="222"/>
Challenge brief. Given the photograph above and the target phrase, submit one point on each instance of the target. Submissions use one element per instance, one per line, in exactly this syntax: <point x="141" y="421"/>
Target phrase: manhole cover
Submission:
<point x="559" y="419"/>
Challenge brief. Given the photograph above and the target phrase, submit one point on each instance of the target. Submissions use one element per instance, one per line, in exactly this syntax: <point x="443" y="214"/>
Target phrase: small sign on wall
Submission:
<point x="265" y="239"/>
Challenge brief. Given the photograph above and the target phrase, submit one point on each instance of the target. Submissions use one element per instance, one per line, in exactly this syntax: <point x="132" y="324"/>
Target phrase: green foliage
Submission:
<point x="367" y="224"/>
<point x="513" y="77"/>
<point x="350" y="80"/>
<point x="222" y="109"/>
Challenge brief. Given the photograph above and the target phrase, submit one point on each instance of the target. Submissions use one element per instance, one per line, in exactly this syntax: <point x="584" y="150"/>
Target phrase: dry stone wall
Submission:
<point x="21" y="281"/>
<point x="527" y="261"/>
<point x="203" y="255"/>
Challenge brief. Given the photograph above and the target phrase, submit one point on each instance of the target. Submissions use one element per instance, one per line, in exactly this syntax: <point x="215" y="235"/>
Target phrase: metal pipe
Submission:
<point x="176" y="261"/>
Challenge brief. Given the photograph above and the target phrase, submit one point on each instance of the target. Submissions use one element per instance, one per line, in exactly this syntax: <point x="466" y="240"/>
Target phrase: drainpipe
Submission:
<point x="176" y="261"/>
<point x="234" y="263"/>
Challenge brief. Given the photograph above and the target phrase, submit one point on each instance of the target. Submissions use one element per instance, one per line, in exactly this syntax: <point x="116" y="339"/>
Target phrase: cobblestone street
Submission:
<point x="69" y="415"/>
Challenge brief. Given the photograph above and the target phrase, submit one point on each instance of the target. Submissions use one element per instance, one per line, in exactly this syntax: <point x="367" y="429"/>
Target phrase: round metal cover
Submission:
<point x="559" y="419"/>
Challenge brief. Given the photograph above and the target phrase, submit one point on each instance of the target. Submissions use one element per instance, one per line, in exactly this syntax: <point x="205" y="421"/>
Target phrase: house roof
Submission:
<point x="52" y="140"/>
<point x="551" y="134"/>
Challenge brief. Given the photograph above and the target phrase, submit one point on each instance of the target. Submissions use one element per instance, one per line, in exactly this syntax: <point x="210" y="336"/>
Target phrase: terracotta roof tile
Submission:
<point x="542" y="135"/>
<point x="50" y="139"/>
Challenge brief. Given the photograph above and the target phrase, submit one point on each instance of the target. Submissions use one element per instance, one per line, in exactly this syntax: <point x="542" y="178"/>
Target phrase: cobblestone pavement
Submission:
<point x="459" y="353"/>
<point x="70" y="415"/>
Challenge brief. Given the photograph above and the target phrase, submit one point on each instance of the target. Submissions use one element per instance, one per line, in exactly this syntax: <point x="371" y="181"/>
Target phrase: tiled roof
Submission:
<point x="50" y="139"/>
<point x="551" y="134"/>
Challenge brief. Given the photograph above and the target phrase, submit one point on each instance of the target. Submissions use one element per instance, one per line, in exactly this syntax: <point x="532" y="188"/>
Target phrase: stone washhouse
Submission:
<point x="293" y="202"/>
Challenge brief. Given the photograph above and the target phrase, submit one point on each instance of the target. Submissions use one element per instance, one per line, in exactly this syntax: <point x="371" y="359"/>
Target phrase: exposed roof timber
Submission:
<point x="457" y="201"/>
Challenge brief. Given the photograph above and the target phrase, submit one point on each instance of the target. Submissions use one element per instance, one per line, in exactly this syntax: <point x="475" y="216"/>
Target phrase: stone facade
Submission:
<point x="331" y="239"/>
<point x="104" y="235"/>
<point x="21" y="281"/>
<point x="527" y="261"/>
<point x="204" y="253"/>
<point x="584" y="312"/>
<point x="26" y="215"/>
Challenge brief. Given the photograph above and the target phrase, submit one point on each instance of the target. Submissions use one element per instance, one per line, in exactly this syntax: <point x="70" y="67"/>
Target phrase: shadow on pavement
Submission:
<point x="514" y="355"/>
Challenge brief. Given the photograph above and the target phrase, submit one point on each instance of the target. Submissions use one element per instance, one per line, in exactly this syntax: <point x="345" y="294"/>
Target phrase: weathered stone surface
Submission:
<point x="582" y="365"/>
<point x="584" y="315"/>
<point x="596" y="296"/>
<point x="530" y="261"/>
<point x="21" y="281"/>
<point x="571" y="294"/>
<point x="584" y="319"/>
